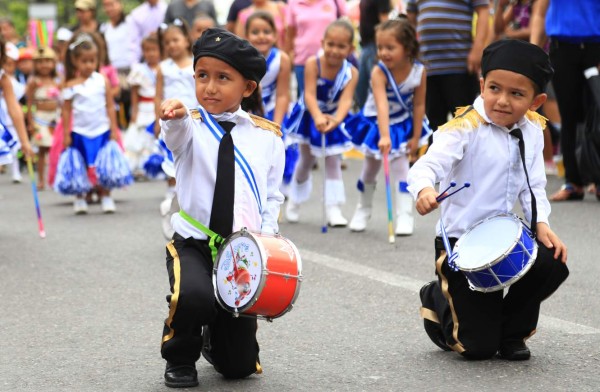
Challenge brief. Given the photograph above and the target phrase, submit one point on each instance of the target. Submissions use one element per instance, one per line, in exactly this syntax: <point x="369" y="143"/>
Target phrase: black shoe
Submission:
<point x="514" y="350"/>
<point x="206" y="344"/>
<point x="433" y="330"/>
<point x="181" y="376"/>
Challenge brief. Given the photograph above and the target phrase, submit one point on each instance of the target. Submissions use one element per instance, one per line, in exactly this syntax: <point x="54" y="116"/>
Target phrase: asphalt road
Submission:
<point x="82" y="310"/>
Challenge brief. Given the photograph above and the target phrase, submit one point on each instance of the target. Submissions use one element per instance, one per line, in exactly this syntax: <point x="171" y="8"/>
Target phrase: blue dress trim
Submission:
<point x="300" y="126"/>
<point x="364" y="129"/>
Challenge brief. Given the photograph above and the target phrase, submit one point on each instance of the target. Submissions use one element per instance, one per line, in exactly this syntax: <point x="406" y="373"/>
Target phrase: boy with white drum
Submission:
<point x="496" y="146"/>
<point x="228" y="165"/>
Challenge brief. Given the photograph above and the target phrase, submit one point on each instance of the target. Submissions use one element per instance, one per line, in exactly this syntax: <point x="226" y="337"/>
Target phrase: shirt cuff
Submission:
<point x="418" y="186"/>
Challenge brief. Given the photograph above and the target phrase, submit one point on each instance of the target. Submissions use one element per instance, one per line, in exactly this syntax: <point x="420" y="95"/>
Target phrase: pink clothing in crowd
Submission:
<point x="145" y="19"/>
<point x="280" y="21"/>
<point x="311" y="18"/>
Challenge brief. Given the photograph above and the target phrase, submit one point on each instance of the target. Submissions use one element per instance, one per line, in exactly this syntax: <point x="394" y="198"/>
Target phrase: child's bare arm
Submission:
<point x="135" y="98"/>
<point x="310" y="94"/>
<point x="158" y="99"/>
<point x="110" y="110"/>
<point x="418" y="115"/>
<point x="16" y="114"/>
<point x="345" y="104"/>
<point x="282" y="94"/>
<point x="29" y="92"/>
<point x="378" y="83"/>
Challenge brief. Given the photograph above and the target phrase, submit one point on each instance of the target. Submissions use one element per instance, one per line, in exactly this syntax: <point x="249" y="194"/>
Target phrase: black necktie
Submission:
<point x="221" y="214"/>
<point x="519" y="135"/>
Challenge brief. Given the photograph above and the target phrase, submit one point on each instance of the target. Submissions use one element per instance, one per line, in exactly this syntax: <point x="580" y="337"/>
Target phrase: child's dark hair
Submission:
<point x="2" y="50"/>
<point x="405" y="34"/>
<point x="178" y="24"/>
<point x="78" y="44"/>
<point x="344" y="24"/>
<point x="151" y="39"/>
<point x="263" y="15"/>
<point x="254" y="103"/>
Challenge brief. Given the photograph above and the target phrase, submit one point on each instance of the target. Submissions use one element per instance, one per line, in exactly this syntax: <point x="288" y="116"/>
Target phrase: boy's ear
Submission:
<point x="538" y="101"/>
<point x="481" y="84"/>
<point x="251" y="85"/>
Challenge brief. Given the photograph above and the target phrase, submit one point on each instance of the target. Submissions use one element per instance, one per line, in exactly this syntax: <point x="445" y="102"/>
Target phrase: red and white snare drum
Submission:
<point x="257" y="274"/>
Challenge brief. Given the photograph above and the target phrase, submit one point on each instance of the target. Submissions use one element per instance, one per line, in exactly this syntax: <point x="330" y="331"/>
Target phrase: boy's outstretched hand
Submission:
<point x="172" y="109"/>
<point x="426" y="201"/>
<point x="547" y="237"/>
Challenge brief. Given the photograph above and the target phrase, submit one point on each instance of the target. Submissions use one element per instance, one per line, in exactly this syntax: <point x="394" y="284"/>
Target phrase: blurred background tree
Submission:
<point x="17" y="11"/>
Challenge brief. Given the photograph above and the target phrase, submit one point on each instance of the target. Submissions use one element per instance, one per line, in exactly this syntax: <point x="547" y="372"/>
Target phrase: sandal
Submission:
<point x="568" y="192"/>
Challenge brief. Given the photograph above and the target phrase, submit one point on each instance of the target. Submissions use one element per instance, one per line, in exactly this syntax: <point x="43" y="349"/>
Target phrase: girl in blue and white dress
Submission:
<point x="8" y="142"/>
<point x="330" y="81"/>
<point x="275" y="85"/>
<point x="88" y="104"/>
<point x="174" y="79"/>
<point x="392" y="121"/>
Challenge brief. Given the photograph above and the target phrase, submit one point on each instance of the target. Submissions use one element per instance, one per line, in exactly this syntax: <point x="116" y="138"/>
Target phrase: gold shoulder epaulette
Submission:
<point x="535" y="117"/>
<point x="195" y="114"/>
<point x="266" y="124"/>
<point x="465" y="118"/>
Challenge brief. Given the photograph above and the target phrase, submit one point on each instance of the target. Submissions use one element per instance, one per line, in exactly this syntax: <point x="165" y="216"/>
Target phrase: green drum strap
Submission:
<point x="214" y="239"/>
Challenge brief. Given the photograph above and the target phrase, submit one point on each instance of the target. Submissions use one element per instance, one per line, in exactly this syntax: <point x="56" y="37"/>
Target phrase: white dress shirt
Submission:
<point x="195" y="150"/>
<point x="487" y="157"/>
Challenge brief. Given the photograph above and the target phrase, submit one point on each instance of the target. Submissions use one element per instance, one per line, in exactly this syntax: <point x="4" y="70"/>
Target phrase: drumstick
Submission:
<point x="388" y="193"/>
<point x="35" y="199"/>
<point x="451" y="255"/>
<point x="324" y="226"/>
<point x="444" y="197"/>
<point x="452" y="185"/>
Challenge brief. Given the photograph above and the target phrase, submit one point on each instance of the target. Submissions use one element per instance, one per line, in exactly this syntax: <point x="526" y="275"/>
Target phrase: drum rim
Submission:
<point x="238" y="311"/>
<point x="298" y="280"/>
<point x="499" y="258"/>
<point x="512" y="280"/>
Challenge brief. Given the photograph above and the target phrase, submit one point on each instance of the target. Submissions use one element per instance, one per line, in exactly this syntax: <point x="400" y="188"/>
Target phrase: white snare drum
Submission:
<point x="495" y="252"/>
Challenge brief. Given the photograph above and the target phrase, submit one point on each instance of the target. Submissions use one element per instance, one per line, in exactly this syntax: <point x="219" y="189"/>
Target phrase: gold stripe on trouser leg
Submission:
<point x="429" y="314"/>
<point x="176" y="286"/>
<point x="458" y="347"/>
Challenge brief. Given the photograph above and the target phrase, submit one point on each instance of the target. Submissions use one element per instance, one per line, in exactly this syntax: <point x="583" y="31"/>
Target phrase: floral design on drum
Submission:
<point x="257" y="274"/>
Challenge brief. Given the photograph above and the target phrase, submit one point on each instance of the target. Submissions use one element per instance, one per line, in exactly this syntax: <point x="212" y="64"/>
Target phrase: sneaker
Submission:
<point x="108" y="205"/>
<point x="80" y="206"/>
<point x="17" y="178"/>
<point x="335" y="217"/>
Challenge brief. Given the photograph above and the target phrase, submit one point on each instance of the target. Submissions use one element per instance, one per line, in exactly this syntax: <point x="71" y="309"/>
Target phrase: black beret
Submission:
<point x="235" y="51"/>
<point x="520" y="57"/>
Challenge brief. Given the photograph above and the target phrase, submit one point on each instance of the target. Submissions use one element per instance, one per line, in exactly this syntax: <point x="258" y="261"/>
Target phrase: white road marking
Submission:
<point x="411" y="284"/>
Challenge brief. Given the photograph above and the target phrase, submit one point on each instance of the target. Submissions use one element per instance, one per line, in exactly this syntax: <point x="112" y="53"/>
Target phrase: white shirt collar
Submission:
<point x="478" y="106"/>
<point x="235" y="116"/>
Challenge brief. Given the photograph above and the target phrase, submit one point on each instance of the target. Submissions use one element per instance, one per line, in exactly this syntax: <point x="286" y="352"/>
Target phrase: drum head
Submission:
<point x="486" y="242"/>
<point x="238" y="271"/>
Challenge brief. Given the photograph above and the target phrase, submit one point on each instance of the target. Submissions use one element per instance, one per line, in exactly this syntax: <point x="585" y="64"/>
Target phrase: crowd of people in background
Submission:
<point x="145" y="57"/>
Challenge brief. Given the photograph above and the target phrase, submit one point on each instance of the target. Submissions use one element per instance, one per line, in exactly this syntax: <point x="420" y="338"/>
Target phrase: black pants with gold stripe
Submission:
<point x="474" y="323"/>
<point x="192" y="304"/>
